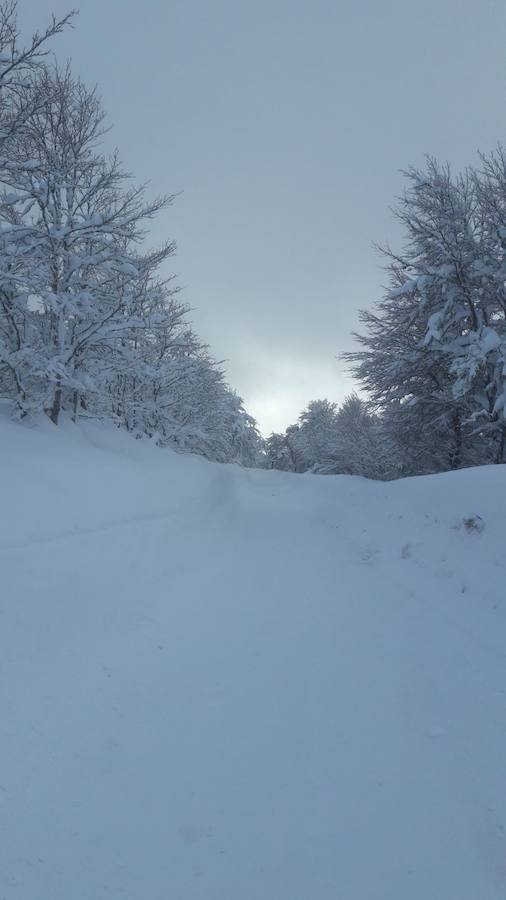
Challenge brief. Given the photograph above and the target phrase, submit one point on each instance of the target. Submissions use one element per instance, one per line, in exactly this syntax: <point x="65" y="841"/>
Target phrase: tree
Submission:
<point x="73" y="230"/>
<point x="435" y="345"/>
<point x="316" y="436"/>
<point x="278" y="454"/>
<point x="88" y="324"/>
<point x="328" y="440"/>
<point x="363" y="447"/>
<point x="410" y="387"/>
<point x="19" y="101"/>
<point x="17" y="66"/>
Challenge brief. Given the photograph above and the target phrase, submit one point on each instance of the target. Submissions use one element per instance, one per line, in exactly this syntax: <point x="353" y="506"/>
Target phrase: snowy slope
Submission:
<point x="220" y="684"/>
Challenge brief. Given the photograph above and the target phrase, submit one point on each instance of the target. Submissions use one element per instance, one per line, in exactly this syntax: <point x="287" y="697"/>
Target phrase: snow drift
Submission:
<point x="235" y="684"/>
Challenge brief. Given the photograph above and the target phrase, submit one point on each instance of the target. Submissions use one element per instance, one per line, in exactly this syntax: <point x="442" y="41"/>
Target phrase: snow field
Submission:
<point x="237" y="684"/>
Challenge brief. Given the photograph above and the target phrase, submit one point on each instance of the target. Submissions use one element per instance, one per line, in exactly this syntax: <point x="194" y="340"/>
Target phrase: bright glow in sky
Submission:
<point x="285" y="125"/>
<point x="284" y="385"/>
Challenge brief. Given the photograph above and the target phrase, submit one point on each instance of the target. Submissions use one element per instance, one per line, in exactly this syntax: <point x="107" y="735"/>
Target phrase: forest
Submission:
<point x="93" y="326"/>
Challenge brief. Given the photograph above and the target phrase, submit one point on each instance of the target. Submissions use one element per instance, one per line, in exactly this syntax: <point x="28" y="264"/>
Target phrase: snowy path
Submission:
<point x="239" y="685"/>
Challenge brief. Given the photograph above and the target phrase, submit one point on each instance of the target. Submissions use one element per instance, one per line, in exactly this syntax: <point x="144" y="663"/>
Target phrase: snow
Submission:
<point x="235" y="684"/>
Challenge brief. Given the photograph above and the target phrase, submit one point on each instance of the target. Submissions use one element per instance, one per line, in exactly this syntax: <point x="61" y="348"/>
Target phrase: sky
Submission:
<point x="283" y="127"/>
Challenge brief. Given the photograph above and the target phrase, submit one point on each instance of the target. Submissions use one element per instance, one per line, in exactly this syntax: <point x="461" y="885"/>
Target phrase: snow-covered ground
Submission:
<point x="220" y="684"/>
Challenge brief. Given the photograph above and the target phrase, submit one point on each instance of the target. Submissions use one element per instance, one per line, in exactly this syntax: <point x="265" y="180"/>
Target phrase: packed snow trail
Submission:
<point x="220" y="684"/>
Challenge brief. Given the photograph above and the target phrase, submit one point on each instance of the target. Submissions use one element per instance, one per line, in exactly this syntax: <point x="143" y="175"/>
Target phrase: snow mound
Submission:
<point x="226" y="684"/>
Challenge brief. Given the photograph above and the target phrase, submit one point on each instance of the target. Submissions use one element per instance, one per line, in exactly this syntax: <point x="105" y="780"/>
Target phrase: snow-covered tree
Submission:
<point x="434" y="349"/>
<point x="75" y="230"/>
<point x="278" y="454"/>
<point x="20" y="100"/>
<point x="410" y="386"/>
<point x="88" y="322"/>
<point x="17" y="66"/>
<point x="330" y="440"/>
<point x="316" y="436"/>
<point x="363" y="446"/>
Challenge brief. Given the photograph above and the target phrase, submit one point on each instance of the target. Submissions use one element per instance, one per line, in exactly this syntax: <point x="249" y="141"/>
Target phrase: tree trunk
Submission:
<point x="456" y="452"/>
<point x="500" y="448"/>
<point x="76" y="406"/>
<point x="54" y="411"/>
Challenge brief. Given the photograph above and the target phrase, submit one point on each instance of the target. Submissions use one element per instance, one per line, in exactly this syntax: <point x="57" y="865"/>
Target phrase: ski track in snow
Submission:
<point x="243" y="685"/>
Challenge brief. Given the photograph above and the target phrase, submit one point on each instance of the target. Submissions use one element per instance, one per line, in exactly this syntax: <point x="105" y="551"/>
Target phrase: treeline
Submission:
<point x="432" y="354"/>
<point x="331" y="440"/>
<point x="90" y="325"/>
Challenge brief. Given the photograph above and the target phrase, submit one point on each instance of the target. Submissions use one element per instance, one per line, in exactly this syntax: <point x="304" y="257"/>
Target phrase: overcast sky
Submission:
<point x="285" y="124"/>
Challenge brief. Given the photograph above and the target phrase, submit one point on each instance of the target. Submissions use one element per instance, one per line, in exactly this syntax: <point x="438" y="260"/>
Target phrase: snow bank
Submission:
<point x="233" y="684"/>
